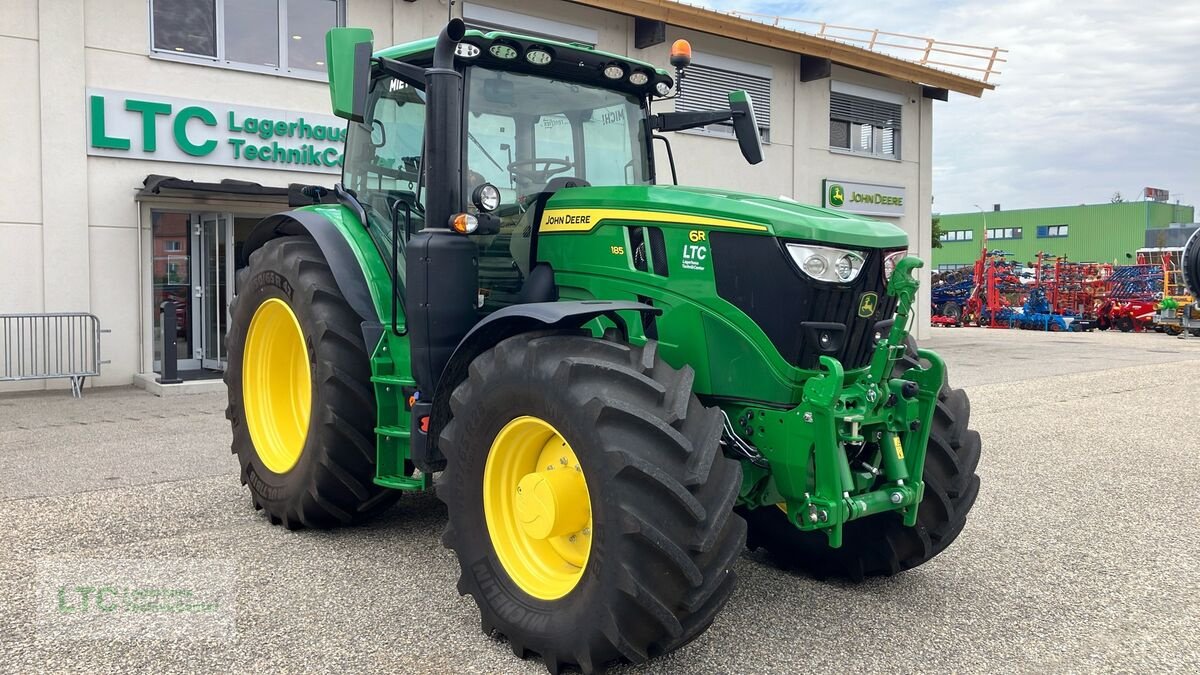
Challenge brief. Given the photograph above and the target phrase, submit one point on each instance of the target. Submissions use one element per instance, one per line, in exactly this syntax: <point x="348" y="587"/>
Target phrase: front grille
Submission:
<point x="756" y="274"/>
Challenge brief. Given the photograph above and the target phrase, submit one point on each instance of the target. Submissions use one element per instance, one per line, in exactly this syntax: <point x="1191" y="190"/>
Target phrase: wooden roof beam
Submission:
<point x="724" y="25"/>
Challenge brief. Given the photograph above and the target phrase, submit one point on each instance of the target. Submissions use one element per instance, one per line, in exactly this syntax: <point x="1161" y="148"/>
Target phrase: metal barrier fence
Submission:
<point x="48" y="346"/>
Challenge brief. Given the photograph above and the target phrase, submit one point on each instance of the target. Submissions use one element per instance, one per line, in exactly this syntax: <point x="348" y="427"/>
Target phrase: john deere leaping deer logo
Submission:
<point x="837" y="195"/>
<point x="867" y="304"/>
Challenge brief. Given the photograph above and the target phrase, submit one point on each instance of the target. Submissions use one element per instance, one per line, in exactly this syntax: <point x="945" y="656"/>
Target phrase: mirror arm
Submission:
<point x="406" y="72"/>
<point x="678" y="121"/>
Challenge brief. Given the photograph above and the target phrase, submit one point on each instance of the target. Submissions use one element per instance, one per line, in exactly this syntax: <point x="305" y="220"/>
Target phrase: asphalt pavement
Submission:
<point x="1082" y="553"/>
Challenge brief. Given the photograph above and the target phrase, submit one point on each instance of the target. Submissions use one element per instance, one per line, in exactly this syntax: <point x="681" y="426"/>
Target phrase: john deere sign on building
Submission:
<point x="164" y="128"/>
<point x="864" y="198"/>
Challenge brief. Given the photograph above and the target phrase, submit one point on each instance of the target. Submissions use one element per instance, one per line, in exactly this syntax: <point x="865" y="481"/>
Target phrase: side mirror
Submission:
<point x="348" y="58"/>
<point x="745" y="126"/>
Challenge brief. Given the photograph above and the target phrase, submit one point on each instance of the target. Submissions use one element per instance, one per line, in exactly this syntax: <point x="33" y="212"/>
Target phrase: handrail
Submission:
<point x="50" y="345"/>
<point x="976" y="58"/>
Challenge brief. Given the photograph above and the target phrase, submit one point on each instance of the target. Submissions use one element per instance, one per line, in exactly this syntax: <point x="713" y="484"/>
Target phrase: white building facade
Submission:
<point x="142" y="139"/>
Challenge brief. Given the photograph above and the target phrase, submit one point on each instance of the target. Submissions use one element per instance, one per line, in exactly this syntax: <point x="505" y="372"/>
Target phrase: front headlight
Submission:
<point x="824" y="263"/>
<point x="889" y="263"/>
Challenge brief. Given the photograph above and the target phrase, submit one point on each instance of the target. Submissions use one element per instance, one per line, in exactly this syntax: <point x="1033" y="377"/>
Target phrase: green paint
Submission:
<point x="99" y="138"/>
<point x="180" y="127"/>
<point x="783" y="218"/>
<point x="340" y="44"/>
<point x="149" y="110"/>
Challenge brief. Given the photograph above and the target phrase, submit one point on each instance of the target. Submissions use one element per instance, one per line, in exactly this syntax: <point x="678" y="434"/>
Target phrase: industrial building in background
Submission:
<point x="153" y="134"/>
<point x="1103" y="233"/>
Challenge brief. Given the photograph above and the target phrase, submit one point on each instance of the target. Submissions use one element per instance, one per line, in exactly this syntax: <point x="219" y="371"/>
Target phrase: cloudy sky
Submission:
<point x="1097" y="97"/>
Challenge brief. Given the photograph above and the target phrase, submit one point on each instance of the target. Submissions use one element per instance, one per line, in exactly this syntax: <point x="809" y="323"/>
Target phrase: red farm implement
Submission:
<point x="1134" y="292"/>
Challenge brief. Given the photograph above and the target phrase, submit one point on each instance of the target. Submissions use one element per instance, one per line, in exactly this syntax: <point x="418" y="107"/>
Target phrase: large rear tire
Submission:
<point x="882" y="545"/>
<point x="300" y="398"/>
<point x="614" y="439"/>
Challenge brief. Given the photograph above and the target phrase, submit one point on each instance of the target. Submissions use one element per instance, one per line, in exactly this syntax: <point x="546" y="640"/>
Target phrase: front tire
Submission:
<point x="881" y="545"/>
<point x="647" y="567"/>
<point x="300" y="399"/>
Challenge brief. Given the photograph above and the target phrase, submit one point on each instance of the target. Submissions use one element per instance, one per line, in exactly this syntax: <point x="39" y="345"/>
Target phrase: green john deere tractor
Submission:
<point x="621" y="383"/>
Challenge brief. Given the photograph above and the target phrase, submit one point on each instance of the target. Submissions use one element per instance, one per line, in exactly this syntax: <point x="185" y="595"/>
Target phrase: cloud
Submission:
<point x="1097" y="96"/>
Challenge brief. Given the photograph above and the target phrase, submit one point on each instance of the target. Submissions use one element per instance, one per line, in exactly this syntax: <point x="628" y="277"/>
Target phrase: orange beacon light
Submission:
<point x="681" y="54"/>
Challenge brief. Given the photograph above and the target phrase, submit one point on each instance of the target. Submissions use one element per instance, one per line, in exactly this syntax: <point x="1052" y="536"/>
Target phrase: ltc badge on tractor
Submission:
<point x="620" y="382"/>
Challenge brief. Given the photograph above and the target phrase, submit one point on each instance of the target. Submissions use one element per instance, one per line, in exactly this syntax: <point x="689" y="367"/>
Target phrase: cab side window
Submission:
<point x="383" y="162"/>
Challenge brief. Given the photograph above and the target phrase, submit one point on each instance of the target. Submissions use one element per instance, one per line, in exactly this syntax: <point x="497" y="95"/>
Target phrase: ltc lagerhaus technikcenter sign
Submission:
<point x="163" y="128"/>
<point x="863" y="198"/>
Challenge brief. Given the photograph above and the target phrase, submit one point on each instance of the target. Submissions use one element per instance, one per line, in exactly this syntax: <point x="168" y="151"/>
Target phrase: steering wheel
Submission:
<point x="528" y="170"/>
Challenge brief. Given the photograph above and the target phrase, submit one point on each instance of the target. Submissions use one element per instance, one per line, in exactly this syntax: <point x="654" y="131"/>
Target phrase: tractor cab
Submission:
<point x="534" y="117"/>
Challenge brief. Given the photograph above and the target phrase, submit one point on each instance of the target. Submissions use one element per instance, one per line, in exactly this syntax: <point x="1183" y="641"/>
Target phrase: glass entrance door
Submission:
<point x="213" y="287"/>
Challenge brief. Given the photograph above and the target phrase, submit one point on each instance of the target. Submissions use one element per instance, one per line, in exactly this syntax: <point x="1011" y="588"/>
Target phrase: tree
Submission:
<point x="936" y="231"/>
<point x="1117" y="198"/>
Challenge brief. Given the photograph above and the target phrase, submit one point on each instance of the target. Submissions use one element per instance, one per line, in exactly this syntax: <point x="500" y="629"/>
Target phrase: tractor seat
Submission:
<point x="523" y="243"/>
<point x="506" y="270"/>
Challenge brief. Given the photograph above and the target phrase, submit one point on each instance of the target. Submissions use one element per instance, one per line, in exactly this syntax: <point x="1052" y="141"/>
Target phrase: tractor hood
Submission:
<point x="718" y="209"/>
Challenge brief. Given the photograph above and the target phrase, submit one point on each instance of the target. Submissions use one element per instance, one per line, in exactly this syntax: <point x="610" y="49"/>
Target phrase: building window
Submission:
<point x="863" y="125"/>
<point x="707" y="86"/>
<point x="1004" y="233"/>
<point x="273" y="36"/>
<point x="172" y="246"/>
<point x="957" y="235"/>
<point x="1045" y="231"/>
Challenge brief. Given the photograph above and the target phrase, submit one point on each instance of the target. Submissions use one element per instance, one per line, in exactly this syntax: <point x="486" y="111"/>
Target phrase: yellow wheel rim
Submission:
<point x="537" y="508"/>
<point x="276" y="385"/>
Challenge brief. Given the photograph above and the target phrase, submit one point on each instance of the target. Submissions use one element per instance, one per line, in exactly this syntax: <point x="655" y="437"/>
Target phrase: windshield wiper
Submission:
<point x="484" y="151"/>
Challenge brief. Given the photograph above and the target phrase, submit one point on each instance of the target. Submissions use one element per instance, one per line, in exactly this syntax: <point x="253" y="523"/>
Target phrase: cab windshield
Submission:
<point x="525" y="132"/>
<point x="530" y="136"/>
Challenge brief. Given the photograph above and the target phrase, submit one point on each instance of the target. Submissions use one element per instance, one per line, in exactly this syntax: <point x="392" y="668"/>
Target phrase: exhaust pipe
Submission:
<point x="443" y="51"/>
<point x="441" y="265"/>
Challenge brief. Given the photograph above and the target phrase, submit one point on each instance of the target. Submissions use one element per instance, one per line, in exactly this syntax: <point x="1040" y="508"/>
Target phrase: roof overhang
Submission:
<point x="158" y="186"/>
<point x="725" y="25"/>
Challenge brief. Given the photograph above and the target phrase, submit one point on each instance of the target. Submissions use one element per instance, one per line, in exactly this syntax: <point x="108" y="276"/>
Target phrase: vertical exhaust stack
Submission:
<point x="441" y="271"/>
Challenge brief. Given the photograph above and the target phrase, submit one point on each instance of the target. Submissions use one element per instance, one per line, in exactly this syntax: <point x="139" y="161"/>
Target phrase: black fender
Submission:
<point x="498" y="326"/>
<point x="1191" y="264"/>
<point x="347" y="272"/>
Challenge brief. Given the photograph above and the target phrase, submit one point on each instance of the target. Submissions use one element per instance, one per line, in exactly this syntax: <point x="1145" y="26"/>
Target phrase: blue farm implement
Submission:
<point x="1037" y="314"/>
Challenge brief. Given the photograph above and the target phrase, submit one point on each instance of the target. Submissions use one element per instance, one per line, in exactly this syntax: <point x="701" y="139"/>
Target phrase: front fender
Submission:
<point x="358" y="269"/>
<point x="498" y="326"/>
